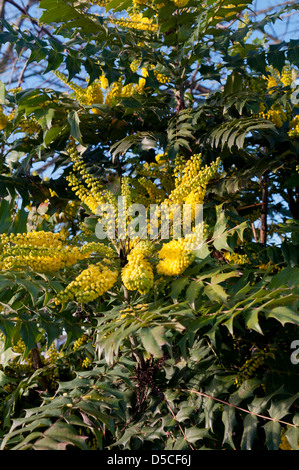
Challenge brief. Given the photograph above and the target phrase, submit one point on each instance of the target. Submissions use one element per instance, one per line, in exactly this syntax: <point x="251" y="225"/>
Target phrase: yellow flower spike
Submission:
<point x="286" y="76"/>
<point x="86" y="363"/>
<point x="180" y="3"/>
<point x="30" y="125"/>
<point x="174" y="258"/>
<point x="138" y="272"/>
<point x="135" y="65"/>
<point x="137" y="21"/>
<point x="161" y="158"/>
<point x="91" y="283"/>
<point x="236" y="258"/>
<point x="100" y="3"/>
<point x="294" y="127"/>
<point x="41" y="251"/>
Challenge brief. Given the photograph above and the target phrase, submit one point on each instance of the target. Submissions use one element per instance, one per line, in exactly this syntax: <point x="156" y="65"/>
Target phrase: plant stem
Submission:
<point x="264" y="225"/>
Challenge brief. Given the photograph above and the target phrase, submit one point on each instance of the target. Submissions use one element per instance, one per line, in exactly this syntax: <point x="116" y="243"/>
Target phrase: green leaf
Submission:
<point x="5" y="216"/>
<point x="8" y="329"/>
<point x="193" y="434"/>
<point x="249" y="432"/>
<point x="280" y="408"/>
<point x="73" y="65"/>
<point x="276" y="57"/>
<point x="233" y="83"/>
<point x="29" y="333"/>
<point x="216" y="293"/>
<point x="64" y="433"/>
<point x="153" y="339"/>
<point x="74" y="122"/>
<point x="252" y="321"/>
<point x="193" y="291"/>
<point x="45" y="117"/>
<point x="284" y="315"/>
<point x="229" y="421"/>
<point x="52" y="134"/>
<point x="272" y="430"/>
<point x="31" y="287"/>
<point x="292" y="435"/>
<point x="177" y="286"/>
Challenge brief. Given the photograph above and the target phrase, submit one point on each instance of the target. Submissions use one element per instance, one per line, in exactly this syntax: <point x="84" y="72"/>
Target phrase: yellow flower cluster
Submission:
<point x="92" y="195"/>
<point x="155" y="193"/>
<point x="250" y="367"/>
<point x="30" y="126"/>
<point x="100" y="3"/>
<point x="45" y="251"/>
<point x="277" y="116"/>
<point x="138" y="274"/>
<point x="137" y="21"/>
<point x="159" y="76"/>
<point x="86" y="363"/>
<point x="235" y="258"/>
<point x="189" y="182"/>
<point x="294" y="127"/>
<point x="276" y="78"/>
<point x="88" y="198"/>
<point x="118" y="92"/>
<point x="52" y="354"/>
<point x="19" y="348"/>
<point x="41" y="260"/>
<point x="273" y="267"/>
<point x="286" y="76"/>
<point x="99" y="248"/>
<point x="35" y="239"/>
<point x="193" y="179"/>
<point x="80" y="342"/>
<point x="180" y="3"/>
<point x="91" y="283"/>
<point x="174" y="258"/>
<point x="90" y="95"/>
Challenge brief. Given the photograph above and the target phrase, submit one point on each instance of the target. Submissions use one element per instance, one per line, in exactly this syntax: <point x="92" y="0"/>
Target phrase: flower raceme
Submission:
<point x="138" y="273"/>
<point x="41" y="251"/>
<point x="44" y="252"/>
<point x="91" y="283"/>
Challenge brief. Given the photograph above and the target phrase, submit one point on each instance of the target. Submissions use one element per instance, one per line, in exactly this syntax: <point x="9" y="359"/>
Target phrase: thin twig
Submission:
<point x="264" y="216"/>
<point x="181" y="429"/>
<point x="239" y="408"/>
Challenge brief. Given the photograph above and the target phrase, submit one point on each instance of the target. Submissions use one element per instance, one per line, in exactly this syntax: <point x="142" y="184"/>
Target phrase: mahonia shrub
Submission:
<point x="126" y="332"/>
